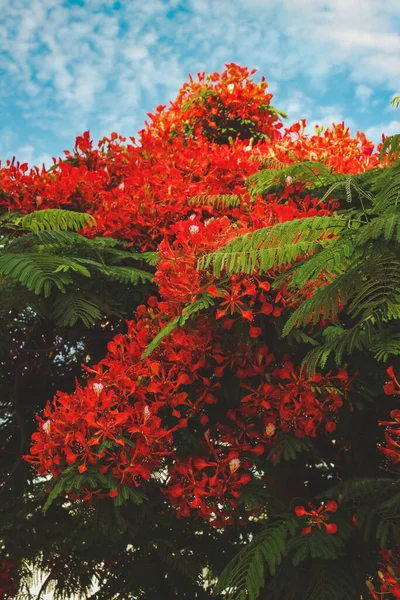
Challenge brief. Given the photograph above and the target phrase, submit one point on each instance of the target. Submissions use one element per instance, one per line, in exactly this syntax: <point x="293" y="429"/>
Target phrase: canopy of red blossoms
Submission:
<point x="127" y="421"/>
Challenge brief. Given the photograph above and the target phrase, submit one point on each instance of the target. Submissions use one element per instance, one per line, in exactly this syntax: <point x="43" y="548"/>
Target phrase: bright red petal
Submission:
<point x="300" y="511"/>
<point x="331" y="528"/>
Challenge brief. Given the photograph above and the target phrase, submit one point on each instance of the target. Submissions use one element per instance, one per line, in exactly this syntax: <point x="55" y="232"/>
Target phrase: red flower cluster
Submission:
<point x="127" y="422"/>
<point x="389" y="573"/>
<point x="334" y="147"/>
<point x="318" y="516"/>
<point x="137" y="190"/>
<point x="392" y="433"/>
<point x="392" y="388"/>
<point x="210" y="486"/>
<point x="220" y="106"/>
<point x="389" y="576"/>
<point x="100" y="428"/>
<point x="306" y="406"/>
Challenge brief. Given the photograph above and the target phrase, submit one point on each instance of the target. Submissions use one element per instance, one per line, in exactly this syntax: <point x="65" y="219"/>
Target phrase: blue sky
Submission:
<point x="72" y="65"/>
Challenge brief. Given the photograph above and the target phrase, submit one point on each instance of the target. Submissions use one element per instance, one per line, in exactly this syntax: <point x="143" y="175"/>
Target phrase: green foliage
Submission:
<point x="380" y="519"/>
<point x="287" y="447"/>
<point x="91" y="479"/>
<point x="274" y="111"/>
<point x="43" y="254"/>
<point x="344" y="267"/>
<point x="64" y="296"/>
<point x="309" y="173"/>
<point x="315" y="545"/>
<point x="273" y="247"/>
<point x="360" y="487"/>
<point x="244" y="576"/>
<point x="376" y="501"/>
<point x="254" y="495"/>
<point x="51" y="219"/>
<point x="395" y="101"/>
<point x="68" y="309"/>
<point x="391" y="147"/>
<point x="325" y="576"/>
<point x="218" y="201"/>
<point x="171" y="556"/>
<point x="331" y="581"/>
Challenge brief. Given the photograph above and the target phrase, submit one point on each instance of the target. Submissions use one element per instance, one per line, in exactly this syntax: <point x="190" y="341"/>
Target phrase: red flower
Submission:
<point x="392" y="387"/>
<point x="300" y="511"/>
<point x="389" y="576"/>
<point x="255" y="332"/>
<point x="318" y="517"/>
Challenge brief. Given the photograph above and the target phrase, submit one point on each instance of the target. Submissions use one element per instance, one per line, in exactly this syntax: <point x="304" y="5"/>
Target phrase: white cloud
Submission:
<point x="299" y="106"/>
<point x="296" y="105"/>
<point x="375" y="133"/>
<point x="363" y="94"/>
<point x="24" y="153"/>
<point x="361" y="40"/>
<point x="330" y="115"/>
<point x="71" y="66"/>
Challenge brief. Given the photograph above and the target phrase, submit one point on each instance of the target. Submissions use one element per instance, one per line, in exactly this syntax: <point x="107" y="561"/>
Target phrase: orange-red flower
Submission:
<point x="392" y="387"/>
<point x="389" y="576"/>
<point x="318" y="517"/>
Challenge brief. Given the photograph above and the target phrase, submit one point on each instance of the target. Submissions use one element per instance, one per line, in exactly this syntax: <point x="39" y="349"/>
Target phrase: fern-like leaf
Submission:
<point x="245" y="573"/>
<point x="287" y="447"/>
<point x="219" y="201"/>
<point x="71" y="308"/>
<point x="330" y="581"/>
<point x="37" y="272"/>
<point x="54" y="219"/>
<point x="273" y="247"/>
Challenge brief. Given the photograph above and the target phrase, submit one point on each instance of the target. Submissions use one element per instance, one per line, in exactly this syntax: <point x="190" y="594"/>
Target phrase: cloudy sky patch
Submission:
<point x="103" y="64"/>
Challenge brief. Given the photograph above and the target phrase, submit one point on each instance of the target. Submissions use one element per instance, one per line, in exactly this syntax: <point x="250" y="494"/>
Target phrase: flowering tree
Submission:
<point x="193" y="433"/>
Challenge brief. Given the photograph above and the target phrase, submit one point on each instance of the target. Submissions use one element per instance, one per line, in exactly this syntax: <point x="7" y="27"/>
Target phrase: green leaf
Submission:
<point x="54" y="219"/>
<point x="246" y="571"/>
<point x="202" y="303"/>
